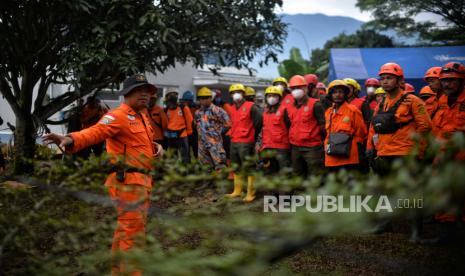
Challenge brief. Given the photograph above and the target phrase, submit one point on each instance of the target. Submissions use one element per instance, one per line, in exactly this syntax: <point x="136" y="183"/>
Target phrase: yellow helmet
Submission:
<point x="249" y="91"/>
<point x="273" y="90"/>
<point x="379" y="91"/>
<point x="353" y="83"/>
<point x="335" y="83"/>
<point x="279" y="79"/>
<point x="204" y="92"/>
<point x="236" y="87"/>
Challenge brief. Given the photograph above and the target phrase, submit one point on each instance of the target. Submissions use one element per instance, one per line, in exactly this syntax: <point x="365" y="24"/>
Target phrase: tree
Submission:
<point x="399" y="15"/>
<point x="363" y="38"/>
<point x="90" y="45"/>
<point x="295" y="65"/>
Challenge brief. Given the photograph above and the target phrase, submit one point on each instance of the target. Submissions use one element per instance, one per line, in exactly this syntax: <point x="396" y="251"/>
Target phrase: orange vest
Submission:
<point x="242" y="130"/>
<point x="180" y="120"/>
<point x="305" y="130"/>
<point x="288" y="100"/>
<point x="348" y="119"/>
<point x="275" y="134"/>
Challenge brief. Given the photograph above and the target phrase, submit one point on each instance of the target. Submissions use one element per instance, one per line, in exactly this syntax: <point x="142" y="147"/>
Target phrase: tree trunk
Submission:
<point x="25" y="144"/>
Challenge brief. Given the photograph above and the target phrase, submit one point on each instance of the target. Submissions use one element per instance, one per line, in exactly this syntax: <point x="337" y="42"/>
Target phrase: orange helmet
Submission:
<point x="297" y="81"/>
<point x="432" y="72"/>
<point x="452" y="70"/>
<point x="409" y="88"/>
<point x="311" y="78"/>
<point x="391" y="68"/>
<point x="426" y="90"/>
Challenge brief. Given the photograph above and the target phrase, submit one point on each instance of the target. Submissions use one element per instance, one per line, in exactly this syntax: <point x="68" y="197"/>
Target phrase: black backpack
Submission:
<point x="384" y="122"/>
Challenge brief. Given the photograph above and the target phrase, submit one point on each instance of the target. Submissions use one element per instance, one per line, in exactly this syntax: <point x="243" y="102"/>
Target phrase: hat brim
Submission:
<point x="153" y="89"/>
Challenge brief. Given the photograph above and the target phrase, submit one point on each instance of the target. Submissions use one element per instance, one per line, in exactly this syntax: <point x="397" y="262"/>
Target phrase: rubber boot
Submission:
<point x="238" y="182"/>
<point x="250" y="189"/>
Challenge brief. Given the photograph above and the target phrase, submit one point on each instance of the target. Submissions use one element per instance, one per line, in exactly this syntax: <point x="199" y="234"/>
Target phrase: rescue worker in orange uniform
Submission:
<point x="369" y="104"/>
<point x="395" y="120"/>
<point x="129" y="137"/>
<point x="275" y="132"/>
<point x="307" y="130"/>
<point x="246" y="125"/>
<point x="395" y="123"/>
<point x="345" y="130"/>
<point x="179" y="125"/>
<point x="432" y="78"/>
<point x="355" y="89"/>
<point x="159" y="120"/>
<point x="449" y="119"/>
<point x="428" y="96"/>
<point x="282" y="83"/>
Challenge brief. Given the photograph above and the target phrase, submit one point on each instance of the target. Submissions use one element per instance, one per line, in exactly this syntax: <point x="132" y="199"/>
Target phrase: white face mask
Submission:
<point x="297" y="93"/>
<point x="371" y="90"/>
<point x="280" y="87"/>
<point x="237" y="97"/>
<point x="272" y="100"/>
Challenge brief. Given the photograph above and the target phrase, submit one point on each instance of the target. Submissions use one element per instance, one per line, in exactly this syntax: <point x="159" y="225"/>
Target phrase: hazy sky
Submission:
<point x="329" y="7"/>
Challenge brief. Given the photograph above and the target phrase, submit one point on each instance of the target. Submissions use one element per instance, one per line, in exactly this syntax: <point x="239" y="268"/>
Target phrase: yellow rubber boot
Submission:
<point x="238" y="182"/>
<point x="250" y="189"/>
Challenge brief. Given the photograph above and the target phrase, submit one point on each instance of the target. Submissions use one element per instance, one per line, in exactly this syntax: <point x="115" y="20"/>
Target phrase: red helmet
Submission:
<point x="432" y="72"/>
<point x="372" y="82"/>
<point x="297" y="81"/>
<point x="426" y="90"/>
<point x="311" y="78"/>
<point x="409" y="88"/>
<point x="452" y="70"/>
<point x="391" y="68"/>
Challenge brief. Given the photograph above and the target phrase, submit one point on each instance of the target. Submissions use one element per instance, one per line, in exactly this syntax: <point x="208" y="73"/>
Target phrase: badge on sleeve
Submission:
<point x="107" y="119"/>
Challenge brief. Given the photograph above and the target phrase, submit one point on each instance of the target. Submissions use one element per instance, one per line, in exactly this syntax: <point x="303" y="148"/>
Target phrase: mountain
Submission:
<point x="311" y="29"/>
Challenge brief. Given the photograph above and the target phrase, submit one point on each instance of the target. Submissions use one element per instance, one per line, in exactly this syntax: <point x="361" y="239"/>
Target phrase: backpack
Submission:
<point x="384" y="122"/>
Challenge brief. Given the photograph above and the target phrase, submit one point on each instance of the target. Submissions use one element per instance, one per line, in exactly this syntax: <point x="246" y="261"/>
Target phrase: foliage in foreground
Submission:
<point x="63" y="224"/>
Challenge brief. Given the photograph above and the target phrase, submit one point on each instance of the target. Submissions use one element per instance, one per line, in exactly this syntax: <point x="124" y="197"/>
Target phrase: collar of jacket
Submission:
<point x="127" y="109"/>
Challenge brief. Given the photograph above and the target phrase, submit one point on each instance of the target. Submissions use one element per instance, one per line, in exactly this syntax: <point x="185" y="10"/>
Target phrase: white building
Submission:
<point x="182" y="77"/>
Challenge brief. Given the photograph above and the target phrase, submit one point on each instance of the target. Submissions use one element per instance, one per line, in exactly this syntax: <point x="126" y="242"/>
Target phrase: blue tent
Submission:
<point x="363" y="63"/>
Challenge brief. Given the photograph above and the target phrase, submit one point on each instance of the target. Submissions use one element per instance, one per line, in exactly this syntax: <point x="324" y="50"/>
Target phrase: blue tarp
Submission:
<point x="363" y="63"/>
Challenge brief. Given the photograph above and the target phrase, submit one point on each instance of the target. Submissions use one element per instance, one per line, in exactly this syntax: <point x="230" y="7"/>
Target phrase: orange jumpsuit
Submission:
<point x="447" y="121"/>
<point x="347" y="119"/>
<point x="400" y="143"/>
<point x="125" y="130"/>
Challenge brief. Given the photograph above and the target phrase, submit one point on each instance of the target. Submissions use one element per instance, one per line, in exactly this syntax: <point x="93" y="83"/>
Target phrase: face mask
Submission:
<point x="370" y="90"/>
<point x="272" y="100"/>
<point x="297" y="93"/>
<point x="237" y="97"/>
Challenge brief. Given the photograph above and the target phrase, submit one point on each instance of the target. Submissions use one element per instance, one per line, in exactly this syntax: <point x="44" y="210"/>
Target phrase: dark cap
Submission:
<point x="136" y="81"/>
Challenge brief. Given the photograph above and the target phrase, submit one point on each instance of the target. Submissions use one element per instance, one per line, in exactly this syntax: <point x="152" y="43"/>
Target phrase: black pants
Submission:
<point x="280" y="160"/>
<point x="382" y="164"/>
<point x="307" y="161"/>
<point x="239" y="154"/>
<point x="181" y="145"/>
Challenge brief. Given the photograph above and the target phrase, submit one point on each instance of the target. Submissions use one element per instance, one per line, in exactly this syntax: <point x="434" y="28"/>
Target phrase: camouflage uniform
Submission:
<point x="211" y="123"/>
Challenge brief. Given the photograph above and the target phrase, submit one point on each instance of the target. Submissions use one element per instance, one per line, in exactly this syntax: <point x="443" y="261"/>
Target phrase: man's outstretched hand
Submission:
<point x="59" y="140"/>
